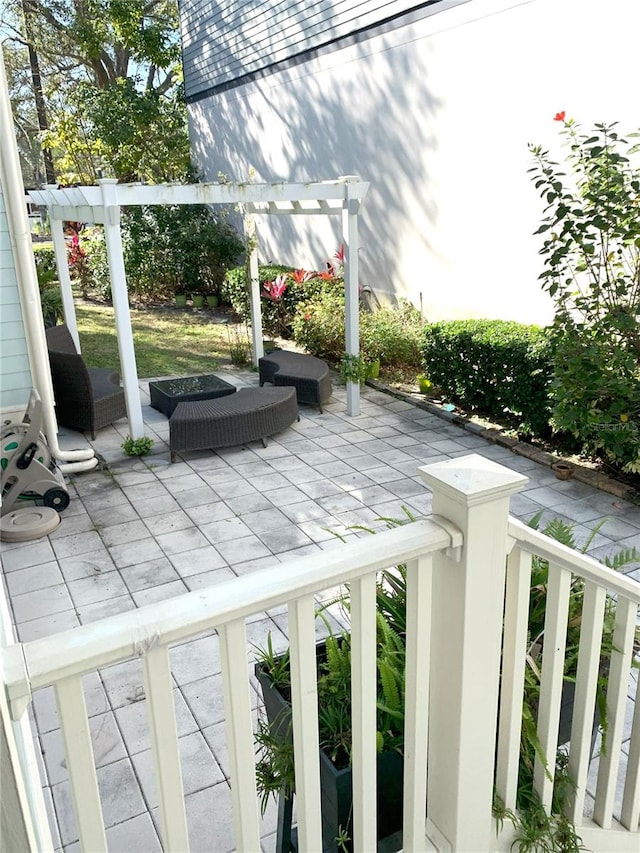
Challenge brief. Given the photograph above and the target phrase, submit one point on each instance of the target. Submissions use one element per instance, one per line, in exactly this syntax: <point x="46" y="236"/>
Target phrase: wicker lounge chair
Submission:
<point x="250" y="414"/>
<point x="307" y="374"/>
<point x="87" y="398"/>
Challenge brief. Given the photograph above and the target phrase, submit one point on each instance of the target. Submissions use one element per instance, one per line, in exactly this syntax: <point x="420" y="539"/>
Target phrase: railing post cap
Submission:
<point x="473" y="479"/>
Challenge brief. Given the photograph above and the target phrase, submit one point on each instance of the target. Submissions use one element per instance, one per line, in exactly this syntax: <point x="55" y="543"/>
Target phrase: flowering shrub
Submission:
<point x="282" y="288"/>
<point x="78" y="262"/>
<point x="591" y="253"/>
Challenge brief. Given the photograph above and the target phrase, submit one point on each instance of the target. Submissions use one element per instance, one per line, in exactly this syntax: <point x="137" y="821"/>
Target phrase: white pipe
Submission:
<point x="14" y="198"/>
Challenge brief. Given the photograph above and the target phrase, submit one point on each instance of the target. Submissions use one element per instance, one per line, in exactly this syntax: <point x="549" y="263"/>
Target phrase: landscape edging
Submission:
<point x="580" y="472"/>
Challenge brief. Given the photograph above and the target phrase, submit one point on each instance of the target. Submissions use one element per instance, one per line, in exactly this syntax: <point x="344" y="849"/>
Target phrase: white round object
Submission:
<point x="22" y="525"/>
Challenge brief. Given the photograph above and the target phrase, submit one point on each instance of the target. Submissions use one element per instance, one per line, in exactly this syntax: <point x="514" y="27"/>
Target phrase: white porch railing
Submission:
<point x="611" y="822"/>
<point x="456" y="580"/>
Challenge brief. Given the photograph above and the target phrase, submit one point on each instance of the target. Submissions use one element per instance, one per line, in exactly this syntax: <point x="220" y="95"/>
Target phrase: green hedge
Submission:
<point x="45" y="257"/>
<point x="499" y="368"/>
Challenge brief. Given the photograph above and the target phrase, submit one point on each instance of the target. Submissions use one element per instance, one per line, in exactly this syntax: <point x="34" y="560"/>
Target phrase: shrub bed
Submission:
<point x="499" y="368"/>
<point x="288" y="288"/>
<point x="392" y="335"/>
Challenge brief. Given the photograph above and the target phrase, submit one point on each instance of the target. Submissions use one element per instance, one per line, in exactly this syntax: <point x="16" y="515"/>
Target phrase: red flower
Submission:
<point x="275" y="289"/>
<point x="327" y="276"/>
<point x="560" y="116"/>
<point x="299" y="276"/>
<point x="307" y="317"/>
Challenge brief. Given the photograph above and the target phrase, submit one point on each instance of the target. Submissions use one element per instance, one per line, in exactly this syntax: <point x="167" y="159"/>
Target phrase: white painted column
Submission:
<point x="351" y="295"/>
<point x="472" y="492"/>
<point x="62" y="265"/>
<point x="251" y="235"/>
<point x="120" y="297"/>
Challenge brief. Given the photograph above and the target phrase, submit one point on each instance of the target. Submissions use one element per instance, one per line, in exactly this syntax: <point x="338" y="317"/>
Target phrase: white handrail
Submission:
<point x="118" y="638"/>
<point x="573" y="561"/>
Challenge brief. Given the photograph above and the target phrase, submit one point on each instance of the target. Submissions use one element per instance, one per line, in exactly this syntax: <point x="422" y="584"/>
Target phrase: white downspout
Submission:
<point x="16" y="209"/>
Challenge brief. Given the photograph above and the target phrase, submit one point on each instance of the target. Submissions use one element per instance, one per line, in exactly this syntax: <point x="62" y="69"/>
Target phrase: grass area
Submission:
<point x="167" y="340"/>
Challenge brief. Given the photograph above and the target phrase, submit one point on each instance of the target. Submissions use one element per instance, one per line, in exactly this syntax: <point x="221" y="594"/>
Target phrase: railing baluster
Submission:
<point x="585" y="694"/>
<point x="364" y="711"/>
<point x="417" y="667"/>
<point x="516" y="619"/>
<point x="631" y="798"/>
<point x="304" y="705"/>
<point x="626" y="614"/>
<point x="555" y="633"/>
<point x="74" y="723"/>
<point x="237" y="705"/>
<point x="158" y="688"/>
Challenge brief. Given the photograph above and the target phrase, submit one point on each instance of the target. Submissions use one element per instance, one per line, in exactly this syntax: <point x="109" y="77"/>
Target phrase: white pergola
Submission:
<point x="101" y="204"/>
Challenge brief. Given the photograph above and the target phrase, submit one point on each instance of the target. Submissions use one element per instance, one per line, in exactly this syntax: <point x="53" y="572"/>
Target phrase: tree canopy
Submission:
<point x="111" y="83"/>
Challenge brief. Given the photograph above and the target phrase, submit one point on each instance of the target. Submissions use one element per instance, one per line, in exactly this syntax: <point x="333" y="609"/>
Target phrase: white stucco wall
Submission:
<point x="437" y="116"/>
<point x="15" y="373"/>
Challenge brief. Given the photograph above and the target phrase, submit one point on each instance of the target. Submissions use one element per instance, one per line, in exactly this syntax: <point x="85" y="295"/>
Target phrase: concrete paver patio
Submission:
<point x="147" y="530"/>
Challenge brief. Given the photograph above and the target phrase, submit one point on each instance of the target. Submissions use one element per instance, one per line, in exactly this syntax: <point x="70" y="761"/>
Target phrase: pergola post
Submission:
<point x="251" y="235"/>
<point x="119" y="295"/>
<point x="60" y="250"/>
<point x="351" y="295"/>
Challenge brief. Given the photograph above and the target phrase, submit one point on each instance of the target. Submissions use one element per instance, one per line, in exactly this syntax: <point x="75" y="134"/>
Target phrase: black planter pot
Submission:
<point x="566" y="717"/>
<point x="336" y="785"/>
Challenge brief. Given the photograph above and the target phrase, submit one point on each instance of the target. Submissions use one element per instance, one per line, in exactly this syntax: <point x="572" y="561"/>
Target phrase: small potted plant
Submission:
<point x="180" y="297"/>
<point x="424" y="383"/>
<point x="198" y="299"/>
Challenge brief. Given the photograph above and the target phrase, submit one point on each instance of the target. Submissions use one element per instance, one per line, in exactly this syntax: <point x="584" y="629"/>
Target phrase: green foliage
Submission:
<point x="318" y="325"/>
<point x="537" y="830"/>
<point x="591" y="256"/>
<point x="45" y="258"/>
<point x="354" y="368"/>
<point x="239" y="346"/>
<point x="137" y="446"/>
<point x="275" y="765"/>
<point x="111" y="83"/>
<point x="50" y="296"/>
<point x="496" y="367"/>
<point x="171" y="248"/>
<point x="394" y="335"/>
<point x="140" y="135"/>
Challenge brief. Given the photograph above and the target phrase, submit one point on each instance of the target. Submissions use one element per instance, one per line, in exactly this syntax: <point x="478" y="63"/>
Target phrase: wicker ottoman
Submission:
<point x="249" y="414"/>
<point x="307" y="374"/>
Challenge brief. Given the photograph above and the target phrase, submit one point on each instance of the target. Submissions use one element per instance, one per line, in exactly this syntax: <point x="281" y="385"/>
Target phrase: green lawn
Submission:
<point x="167" y="340"/>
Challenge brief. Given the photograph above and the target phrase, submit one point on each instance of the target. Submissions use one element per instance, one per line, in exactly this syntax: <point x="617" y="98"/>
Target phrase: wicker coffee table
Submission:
<point x="167" y="393"/>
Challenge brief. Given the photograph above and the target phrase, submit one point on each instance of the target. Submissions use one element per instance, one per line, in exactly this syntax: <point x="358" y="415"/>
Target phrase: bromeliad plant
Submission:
<point x="591" y="255"/>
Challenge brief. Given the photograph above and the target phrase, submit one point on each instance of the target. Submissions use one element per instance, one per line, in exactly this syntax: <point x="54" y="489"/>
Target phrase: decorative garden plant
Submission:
<point x="536" y="831"/>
